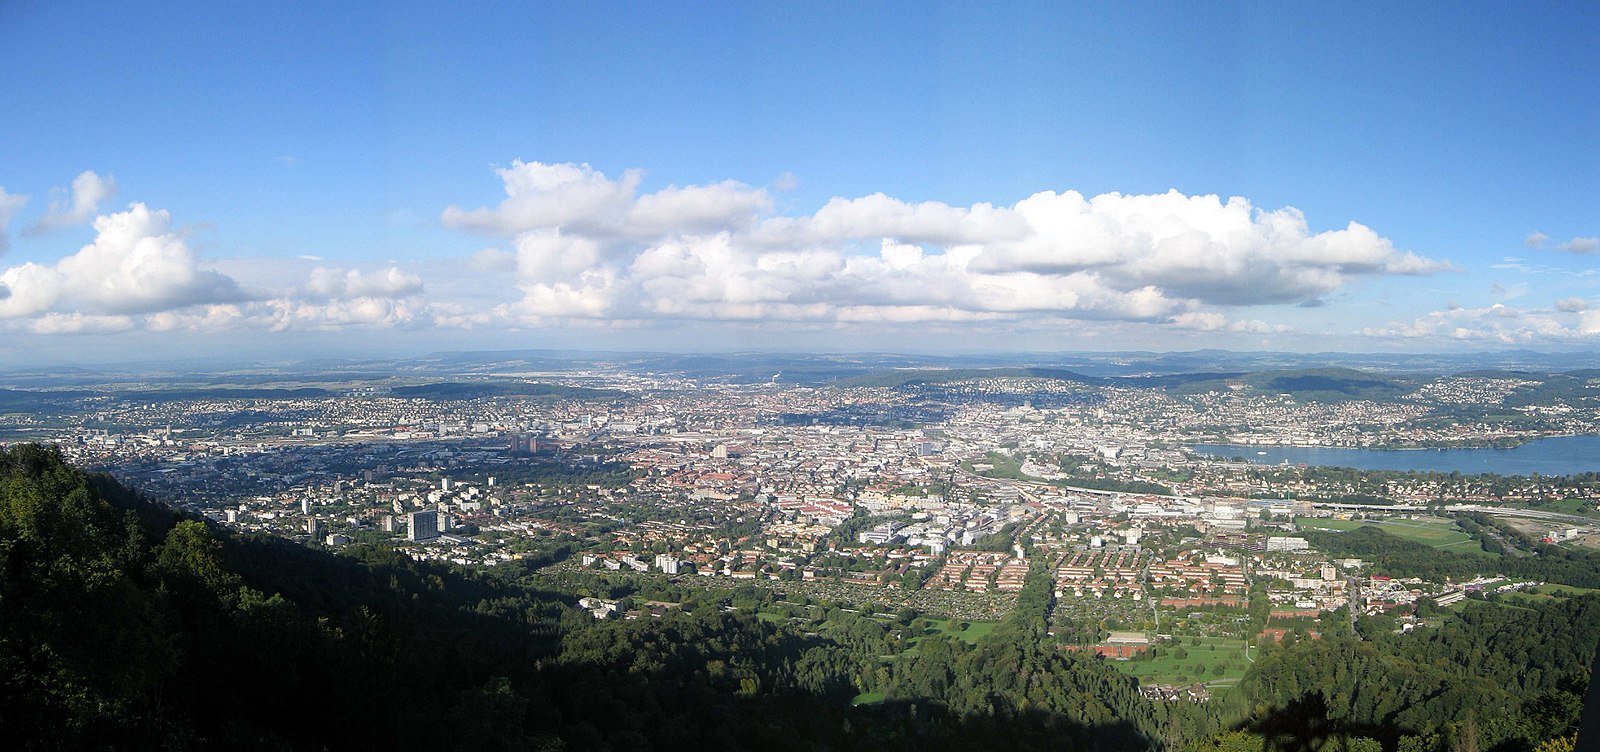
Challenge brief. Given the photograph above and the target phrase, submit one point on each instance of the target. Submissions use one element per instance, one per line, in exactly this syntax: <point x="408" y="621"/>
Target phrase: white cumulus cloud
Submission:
<point x="135" y="264"/>
<point x="581" y="199"/>
<point x="325" y="283"/>
<point x="88" y="191"/>
<point x="591" y="247"/>
<point x="288" y="314"/>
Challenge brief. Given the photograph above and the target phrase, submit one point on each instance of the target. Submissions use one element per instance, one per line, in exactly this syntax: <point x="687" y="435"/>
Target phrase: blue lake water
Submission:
<point x="1558" y="455"/>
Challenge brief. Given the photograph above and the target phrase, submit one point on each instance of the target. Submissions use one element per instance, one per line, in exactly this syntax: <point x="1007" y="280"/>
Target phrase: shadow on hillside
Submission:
<point x="1303" y="725"/>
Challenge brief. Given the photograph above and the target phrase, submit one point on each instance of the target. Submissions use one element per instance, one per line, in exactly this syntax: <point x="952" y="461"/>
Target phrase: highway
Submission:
<point x="1499" y="510"/>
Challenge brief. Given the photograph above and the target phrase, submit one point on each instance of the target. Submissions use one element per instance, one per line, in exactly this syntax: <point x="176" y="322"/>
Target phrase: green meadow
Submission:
<point x="1216" y="661"/>
<point x="1437" y="532"/>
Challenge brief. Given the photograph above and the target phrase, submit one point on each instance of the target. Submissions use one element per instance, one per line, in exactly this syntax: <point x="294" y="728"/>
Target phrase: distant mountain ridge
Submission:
<point x="1322" y="384"/>
<point x="807" y="368"/>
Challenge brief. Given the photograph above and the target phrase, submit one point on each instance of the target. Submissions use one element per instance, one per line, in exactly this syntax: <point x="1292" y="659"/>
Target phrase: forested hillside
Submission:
<point x="1495" y="678"/>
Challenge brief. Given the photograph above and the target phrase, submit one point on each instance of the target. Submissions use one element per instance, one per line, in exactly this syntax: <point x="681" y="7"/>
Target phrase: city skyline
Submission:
<point x="903" y="178"/>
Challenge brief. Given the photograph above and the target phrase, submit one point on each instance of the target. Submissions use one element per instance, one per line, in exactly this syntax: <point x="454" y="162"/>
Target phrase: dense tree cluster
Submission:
<point x="1497" y="677"/>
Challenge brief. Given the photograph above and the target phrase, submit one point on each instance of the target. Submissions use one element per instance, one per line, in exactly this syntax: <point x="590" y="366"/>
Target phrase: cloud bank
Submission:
<point x="590" y="247"/>
<point x="1584" y="245"/>
<point x="575" y="248"/>
<point x="1571" y="320"/>
<point x="139" y="273"/>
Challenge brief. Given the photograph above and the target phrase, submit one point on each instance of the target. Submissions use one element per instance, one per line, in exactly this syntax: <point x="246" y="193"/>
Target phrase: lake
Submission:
<point x="1558" y="455"/>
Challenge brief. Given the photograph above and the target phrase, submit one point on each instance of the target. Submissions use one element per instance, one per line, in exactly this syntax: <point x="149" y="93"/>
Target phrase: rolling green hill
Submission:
<point x="462" y="390"/>
<point x="1318" y="384"/>
<point x="1315" y="384"/>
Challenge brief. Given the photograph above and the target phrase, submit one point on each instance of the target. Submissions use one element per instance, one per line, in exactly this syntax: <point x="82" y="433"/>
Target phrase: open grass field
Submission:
<point x="1468" y="546"/>
<point x="1548" y="592"/>
<point x="1438" y="532"/>
<point x="969" y="631"/>
<point x="1566" y="591"/>
<point x="1515" y="602"/>
<point x="1199" y="664"/>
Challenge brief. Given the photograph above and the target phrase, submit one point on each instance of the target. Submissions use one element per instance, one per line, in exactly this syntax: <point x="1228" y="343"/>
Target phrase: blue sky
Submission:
<point x="312" y="179"/>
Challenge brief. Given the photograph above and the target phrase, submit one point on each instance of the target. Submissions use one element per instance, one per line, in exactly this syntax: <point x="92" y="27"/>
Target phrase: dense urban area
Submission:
<point x="907" y="514"/>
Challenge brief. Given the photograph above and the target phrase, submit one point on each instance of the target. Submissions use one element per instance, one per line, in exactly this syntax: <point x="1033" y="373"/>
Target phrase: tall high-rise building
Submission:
<point x="314" y="527"/>
<point x="422" y="525"/>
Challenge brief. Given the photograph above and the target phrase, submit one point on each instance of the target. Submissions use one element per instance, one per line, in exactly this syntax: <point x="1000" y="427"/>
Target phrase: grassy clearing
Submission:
<point x="1431" y="531"/>
<point x="968" y="631"/>
<point x="975" y="630"/>
<point x="1514" y="603"/>
<point x="1199" y="664"/>
<point x="1528" y="597"/>
<point x="1470" y="546"/>
<point x="1548" y="592"/>
<point x="1005" y="466"/>
<point x="868" y="698"/>
<point x="1566" y="590"/>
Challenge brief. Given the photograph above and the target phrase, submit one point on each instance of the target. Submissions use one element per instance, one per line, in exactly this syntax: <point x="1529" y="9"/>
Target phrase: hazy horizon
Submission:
<point x="1132" y="361"/>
